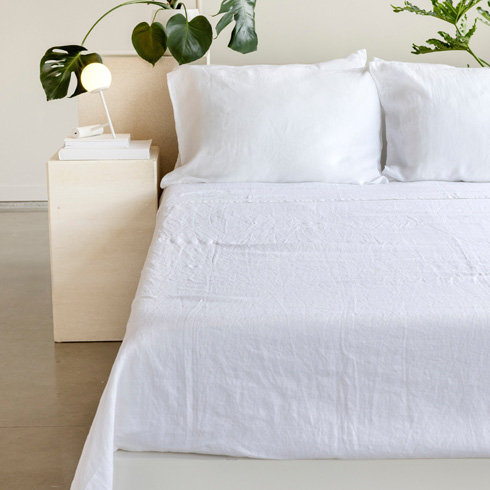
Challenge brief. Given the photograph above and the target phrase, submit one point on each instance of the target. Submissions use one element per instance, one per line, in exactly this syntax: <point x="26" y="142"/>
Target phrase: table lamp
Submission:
<point x="96" y="78"/>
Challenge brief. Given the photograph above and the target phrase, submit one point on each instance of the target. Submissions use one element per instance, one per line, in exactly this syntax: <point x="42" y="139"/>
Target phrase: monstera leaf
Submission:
<point x="150" y="41"/>
<point x="57" y="66"/>
<point x="189" y="41"/>
<point x="243" y="38"/>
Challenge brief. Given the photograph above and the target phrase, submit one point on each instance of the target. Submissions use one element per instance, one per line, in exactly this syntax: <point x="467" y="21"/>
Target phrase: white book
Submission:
<point x="99" y="141"/>
<point x="137" y="150"/>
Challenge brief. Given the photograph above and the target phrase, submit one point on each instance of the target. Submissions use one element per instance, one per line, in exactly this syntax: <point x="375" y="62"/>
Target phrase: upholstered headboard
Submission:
<point x="139" y="103"/>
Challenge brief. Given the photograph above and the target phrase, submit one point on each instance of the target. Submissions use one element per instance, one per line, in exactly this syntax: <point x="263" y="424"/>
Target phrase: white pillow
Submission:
<point x="437" y="120"/>
<point x="292" y="123"/>
<point x="354" y="60"/>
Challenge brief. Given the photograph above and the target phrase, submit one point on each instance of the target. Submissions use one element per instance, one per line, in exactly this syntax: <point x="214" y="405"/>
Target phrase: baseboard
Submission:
<point x="23" y="193"/>
<point x="23" y="206"/>
<point x="154" y="471"/>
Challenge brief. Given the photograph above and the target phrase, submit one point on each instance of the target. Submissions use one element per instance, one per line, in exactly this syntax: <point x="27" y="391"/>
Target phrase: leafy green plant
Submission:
<point x="455" y="14"/>
<point x="187" y="40"/>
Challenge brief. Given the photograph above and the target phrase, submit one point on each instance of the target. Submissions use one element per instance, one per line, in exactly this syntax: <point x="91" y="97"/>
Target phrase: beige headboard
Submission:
<point x="139" y="103"/>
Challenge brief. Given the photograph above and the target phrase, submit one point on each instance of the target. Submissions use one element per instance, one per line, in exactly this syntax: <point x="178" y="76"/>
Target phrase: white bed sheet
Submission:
<point x="306" y="321"/>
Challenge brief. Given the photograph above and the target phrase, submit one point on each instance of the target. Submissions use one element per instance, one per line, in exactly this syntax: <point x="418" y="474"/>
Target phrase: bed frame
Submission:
<point x="157" y="471"/>
<point x="140" y="104"/>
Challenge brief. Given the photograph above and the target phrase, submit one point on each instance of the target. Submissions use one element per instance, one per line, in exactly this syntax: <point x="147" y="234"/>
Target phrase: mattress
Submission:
<point x="295" y="321"/>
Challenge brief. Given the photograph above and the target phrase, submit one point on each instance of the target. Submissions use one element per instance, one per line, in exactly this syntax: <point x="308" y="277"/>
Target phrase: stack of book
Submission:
<point x="105" y="147"/>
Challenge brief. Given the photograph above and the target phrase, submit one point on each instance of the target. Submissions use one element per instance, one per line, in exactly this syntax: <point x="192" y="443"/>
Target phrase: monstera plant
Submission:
<point x="187" y="40"/>
<point x="455" y="14"/>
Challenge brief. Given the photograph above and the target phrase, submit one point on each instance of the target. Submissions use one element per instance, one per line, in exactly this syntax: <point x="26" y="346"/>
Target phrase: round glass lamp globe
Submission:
<point x="96" y="77"/>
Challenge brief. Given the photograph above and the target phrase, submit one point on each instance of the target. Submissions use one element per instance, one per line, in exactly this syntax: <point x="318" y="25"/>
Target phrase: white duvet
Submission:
<point x="306" y="321"/>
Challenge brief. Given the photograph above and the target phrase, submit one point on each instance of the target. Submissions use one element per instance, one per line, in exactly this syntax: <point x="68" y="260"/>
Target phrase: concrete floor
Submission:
<point x="48" y="392"/>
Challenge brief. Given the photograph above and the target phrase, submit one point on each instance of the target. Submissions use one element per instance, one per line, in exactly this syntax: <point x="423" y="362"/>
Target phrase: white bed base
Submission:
<point x="164" y="471"/>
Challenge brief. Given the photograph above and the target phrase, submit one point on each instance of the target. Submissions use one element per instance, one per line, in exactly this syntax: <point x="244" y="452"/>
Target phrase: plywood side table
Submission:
<point x="102" y="217"/>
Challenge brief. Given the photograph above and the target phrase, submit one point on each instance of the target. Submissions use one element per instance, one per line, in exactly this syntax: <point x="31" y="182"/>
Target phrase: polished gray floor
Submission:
<point x="48" y="392"/>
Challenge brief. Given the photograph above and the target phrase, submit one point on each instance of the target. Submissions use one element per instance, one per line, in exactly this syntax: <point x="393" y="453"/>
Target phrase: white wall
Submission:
<point x="31" y="129"/>
<point x="324" y="29"/>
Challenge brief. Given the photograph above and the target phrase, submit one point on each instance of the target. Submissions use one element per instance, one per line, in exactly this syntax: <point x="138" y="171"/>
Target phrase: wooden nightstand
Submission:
<point x="102" y="218"/>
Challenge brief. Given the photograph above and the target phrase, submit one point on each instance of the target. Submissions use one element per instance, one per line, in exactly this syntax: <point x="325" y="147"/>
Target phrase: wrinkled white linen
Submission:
<point x="284" y="123"/>
<point x="436" y="119"/>
<point x="306" y="321"/>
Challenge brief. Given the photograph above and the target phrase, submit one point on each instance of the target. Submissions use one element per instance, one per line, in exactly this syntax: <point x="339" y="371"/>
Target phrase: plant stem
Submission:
<point x="155" y="16"/>
<point x="481" y="62"/>
<point x="164" y="6"/>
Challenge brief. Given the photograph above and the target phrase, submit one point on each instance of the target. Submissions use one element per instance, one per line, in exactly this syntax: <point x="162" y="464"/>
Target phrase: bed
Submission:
<point x="303" y="322"/>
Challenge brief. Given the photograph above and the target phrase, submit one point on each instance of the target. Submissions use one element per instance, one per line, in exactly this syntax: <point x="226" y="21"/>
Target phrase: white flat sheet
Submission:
<point x="306" y="321"/>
